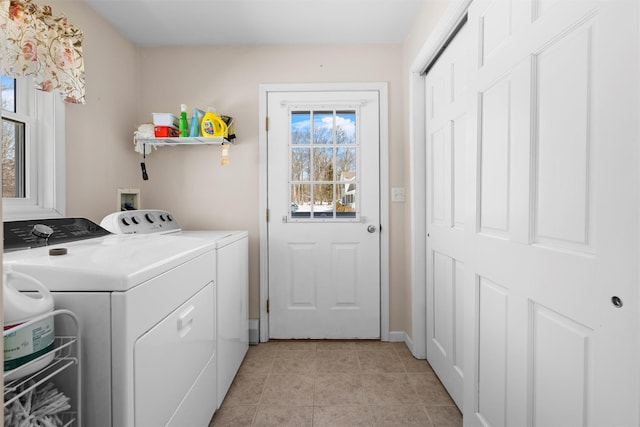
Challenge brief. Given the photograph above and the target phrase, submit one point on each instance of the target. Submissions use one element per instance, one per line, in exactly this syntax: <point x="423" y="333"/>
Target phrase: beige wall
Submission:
<point x="125" y="84"/>
<point x="190" y="182"/>
<point x="420" y="30"/>
<point x="98" y="134"/>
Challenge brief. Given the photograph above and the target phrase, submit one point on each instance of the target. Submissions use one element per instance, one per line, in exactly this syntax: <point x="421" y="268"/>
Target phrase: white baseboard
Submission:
<point x="254" y="331"/>
<point x="397" y="336"/>
<point x="402" y="336"/>
<point x="394" y="336"/>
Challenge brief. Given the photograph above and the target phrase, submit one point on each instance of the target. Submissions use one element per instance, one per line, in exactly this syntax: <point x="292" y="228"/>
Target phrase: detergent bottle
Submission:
<point x="212" y="124"/>
<point x="183" y="125"/>
<point x="27" y="342"/>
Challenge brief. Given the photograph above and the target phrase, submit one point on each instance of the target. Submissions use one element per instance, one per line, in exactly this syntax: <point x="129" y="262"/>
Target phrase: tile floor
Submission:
<point x="335" y="383"/>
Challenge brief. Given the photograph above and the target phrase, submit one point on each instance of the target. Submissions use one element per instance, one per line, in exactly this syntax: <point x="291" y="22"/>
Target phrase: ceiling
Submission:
<point x="229" y="22"/>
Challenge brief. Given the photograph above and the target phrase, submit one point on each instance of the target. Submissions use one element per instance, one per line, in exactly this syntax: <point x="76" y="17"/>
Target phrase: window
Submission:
<point x="323" y="164"/>
<point x="32" y="151"/>
<point x="13" y="142"/>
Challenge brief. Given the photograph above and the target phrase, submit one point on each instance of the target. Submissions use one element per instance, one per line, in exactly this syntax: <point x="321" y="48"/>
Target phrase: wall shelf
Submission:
<point x="161" y="142"/>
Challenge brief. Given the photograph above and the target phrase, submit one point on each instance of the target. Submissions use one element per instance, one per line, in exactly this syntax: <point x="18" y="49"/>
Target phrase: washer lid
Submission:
<point x="111" y="263"/>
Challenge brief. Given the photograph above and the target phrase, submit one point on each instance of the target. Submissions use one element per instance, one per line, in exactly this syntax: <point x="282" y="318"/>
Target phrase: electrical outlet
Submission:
<point x="397" y="194"/>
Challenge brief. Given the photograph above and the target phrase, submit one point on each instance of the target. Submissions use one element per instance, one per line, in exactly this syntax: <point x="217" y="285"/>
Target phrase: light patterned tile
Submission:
<point x="282" y="416"/>
<point x="445" y="416"/>
<point x="233" y="416"/>
<point x="403" y="351"/>
<point x="372" y="345"/>
<point x="245" y="390"/>
<point x="294" y="365"/>
<point x="335" y="345"/>
<point x="430" y="390"/>
<point x="297" y="345"/>
<point x="411" y="364"/>
<point x="288" y="390"/>
<point x="265" y="349"/>
<point x="388" y="389"/>
<point x="296" y="354"/>
<point x="329" y="375"/>
<point x="342" y="416"/>
<point x="337" y="361"/>
<point x="379" y="361"/>
<point x="333" y="354"/>
<point x="256" y="364"/>
<point x="400" y="415"/>
<point x="338" y="389"/>
<point x="399" y="346"/>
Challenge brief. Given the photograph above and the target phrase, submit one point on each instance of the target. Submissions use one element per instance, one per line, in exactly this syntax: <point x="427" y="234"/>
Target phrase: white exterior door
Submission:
<point x="446" y="86"/>
<point x="552" y="228"/>
<point x="324" y="214"/>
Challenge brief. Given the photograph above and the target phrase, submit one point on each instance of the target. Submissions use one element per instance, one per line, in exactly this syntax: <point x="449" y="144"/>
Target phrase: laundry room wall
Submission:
<point x="190" y="181"/>
<point x="126" y="83"/>
<point x="98" y="134"/>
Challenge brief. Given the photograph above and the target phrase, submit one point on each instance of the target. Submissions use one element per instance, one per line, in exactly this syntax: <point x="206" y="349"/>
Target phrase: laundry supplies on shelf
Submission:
<point x="212" y="124"/>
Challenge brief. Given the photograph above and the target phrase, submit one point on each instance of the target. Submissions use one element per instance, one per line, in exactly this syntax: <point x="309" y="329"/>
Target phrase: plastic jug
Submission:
<point x="212" y="124"/>
<point x="22" y="344"/>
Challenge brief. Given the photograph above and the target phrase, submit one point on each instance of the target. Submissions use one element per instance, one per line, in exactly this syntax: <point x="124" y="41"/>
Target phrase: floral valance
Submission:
<point x="36" y="43"/>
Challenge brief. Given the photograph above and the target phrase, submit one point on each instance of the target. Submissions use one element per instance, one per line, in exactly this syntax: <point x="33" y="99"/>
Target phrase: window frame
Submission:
<point x="321" y="217"/>
<point x="44" y="116"/>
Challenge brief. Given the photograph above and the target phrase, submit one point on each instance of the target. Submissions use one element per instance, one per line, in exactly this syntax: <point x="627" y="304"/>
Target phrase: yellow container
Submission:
<point x="212" y="124"/>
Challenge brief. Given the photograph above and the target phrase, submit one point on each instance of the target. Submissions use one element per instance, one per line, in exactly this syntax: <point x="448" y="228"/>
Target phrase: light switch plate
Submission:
<point x="397" y="194"/>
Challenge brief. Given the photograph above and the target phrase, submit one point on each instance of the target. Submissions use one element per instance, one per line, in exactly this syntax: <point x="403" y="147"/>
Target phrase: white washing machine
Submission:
<point x="231" y="278"/>
<point x="146" y="304"/>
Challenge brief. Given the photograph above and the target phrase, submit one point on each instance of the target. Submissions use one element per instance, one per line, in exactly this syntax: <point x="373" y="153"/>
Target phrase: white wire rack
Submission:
<point x="67" y="353"/>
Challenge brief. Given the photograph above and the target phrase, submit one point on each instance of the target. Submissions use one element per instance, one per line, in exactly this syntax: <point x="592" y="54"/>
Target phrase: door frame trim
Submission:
<point x="418" y="170"/>
<point x="263" y="91"/>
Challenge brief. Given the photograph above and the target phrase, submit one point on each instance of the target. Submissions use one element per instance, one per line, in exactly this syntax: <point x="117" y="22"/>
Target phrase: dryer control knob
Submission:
<point x="150" y="218"/>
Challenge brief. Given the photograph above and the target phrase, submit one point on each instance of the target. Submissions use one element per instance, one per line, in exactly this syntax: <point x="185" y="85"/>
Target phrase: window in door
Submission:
<point x="323" y="165"/>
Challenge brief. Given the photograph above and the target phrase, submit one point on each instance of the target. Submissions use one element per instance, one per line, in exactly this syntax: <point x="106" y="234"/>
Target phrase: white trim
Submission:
<point x="46" y="154"/>
<point x="418" y="207"/>
<point x="384" y="210"/>
<point x="262" y="213"/>
<point x="398" y="336"/>
<point x="401" y="336"/>
<point x="447" y="23"/>
<point x="254" y="333"/>
<point x="382" y="89"/>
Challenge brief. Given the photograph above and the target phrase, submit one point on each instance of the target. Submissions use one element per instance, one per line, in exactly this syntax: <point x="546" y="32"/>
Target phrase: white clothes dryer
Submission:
<point x="231" y="278"/>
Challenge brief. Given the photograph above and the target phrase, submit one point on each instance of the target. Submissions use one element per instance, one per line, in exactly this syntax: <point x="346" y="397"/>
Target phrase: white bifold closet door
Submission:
<point x="551" y="228"/>
<point x="447" y="96"/>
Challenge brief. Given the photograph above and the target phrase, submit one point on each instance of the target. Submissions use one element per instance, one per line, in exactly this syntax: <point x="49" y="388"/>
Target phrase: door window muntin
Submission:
<point x="322" y="140"/>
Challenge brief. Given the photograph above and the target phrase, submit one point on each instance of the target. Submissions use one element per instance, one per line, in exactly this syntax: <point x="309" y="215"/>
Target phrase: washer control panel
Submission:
<point x="143" y="221"/>
<point x="35" y="233"/>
